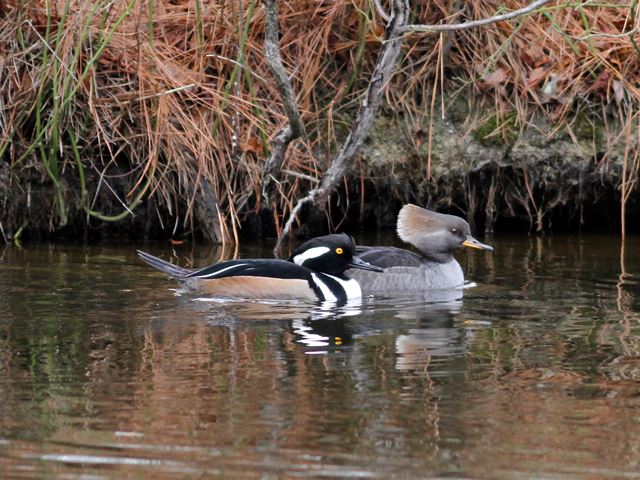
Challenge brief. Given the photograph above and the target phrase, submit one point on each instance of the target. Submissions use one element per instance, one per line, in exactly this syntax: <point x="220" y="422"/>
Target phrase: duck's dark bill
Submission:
<point x="473" y="243"/>
<point x="357" y="263"/>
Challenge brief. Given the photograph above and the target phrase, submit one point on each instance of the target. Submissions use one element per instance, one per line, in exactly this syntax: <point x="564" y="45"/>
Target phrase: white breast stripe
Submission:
<point x="351" y="287"/>
<point x="215" y="274"/>
<point x="314" y="252"/>
<point x="326" y="291"/>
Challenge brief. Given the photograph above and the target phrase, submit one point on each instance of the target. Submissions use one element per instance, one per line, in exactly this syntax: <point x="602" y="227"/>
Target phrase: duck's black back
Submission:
<point x="273" y="268"/>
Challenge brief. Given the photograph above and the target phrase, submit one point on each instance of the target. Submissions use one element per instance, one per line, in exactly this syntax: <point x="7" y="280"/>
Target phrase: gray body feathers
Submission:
<point x="397" y="279"/>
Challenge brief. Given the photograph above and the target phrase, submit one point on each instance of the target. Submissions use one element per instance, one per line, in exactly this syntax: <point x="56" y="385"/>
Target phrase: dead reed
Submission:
<point x="117" y="103"/>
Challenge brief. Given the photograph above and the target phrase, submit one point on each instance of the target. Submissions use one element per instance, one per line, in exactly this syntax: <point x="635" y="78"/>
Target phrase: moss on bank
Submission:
<point x="523" y="178"/>
<point x="497" y="130"/>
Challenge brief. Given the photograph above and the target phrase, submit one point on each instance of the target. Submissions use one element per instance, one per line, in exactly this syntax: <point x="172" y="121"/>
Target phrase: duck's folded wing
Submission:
<point x="280" y="269"/>
<point x="385" y="257"/>
<point x="269" y="279"/>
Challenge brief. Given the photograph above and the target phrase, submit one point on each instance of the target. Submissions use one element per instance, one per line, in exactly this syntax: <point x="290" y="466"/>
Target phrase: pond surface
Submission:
<point x="107" y="372"/>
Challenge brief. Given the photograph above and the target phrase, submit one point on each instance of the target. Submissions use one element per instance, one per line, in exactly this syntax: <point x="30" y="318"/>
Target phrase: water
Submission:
<point x="107" y="372"/>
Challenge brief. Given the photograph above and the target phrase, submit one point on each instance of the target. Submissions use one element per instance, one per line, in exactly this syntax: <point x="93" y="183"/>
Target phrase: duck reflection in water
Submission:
<point x="425" y="329"/>
<point x="435" y="336"/>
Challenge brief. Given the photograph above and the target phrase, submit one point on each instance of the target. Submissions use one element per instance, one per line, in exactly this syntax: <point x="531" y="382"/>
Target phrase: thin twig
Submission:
<point x="238" y="64"/>
<point x="475" y="23"/>
<point x="301" y="175"/>
<point x="383" y="15"/>
<point x="589" y="36"/>
<point x="3" y="235"/>
<point x="539" y="213"/>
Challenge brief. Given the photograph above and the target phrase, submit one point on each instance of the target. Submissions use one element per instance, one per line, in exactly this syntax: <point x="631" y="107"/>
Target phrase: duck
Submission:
<point x="436" y="236"/>
<point x="314" y="271"/>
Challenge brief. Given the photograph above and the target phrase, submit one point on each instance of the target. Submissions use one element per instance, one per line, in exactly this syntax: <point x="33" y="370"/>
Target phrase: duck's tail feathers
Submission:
<point x="170" y="269"/>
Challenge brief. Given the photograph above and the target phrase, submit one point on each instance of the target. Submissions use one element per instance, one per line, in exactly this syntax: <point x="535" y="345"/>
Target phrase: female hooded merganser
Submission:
<point x="315" y="271"/>
<point x="436" y="236"/>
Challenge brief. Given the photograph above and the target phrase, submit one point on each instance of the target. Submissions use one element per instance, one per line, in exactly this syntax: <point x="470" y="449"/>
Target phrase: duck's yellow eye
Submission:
<point x="339" y="251"/>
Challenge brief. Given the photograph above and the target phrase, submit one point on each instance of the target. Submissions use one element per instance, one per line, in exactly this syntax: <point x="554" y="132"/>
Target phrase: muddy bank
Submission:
<point x="499" y="174"/>
<point x="508" y="177"/>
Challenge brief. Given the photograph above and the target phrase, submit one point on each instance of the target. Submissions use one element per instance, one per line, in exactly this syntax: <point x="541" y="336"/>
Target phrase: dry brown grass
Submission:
<point x="155" y="92"/>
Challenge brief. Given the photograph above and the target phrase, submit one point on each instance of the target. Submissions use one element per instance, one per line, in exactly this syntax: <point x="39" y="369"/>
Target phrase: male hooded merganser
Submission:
<point x="315" y="271"/>
<point x="436" y="236"/>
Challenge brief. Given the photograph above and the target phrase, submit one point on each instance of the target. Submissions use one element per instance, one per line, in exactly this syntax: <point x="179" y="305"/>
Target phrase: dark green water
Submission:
<point x="106" y="372"/>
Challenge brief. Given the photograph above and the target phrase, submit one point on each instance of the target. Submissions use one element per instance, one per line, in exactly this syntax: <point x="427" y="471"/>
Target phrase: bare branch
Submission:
<point x="384" y="69"/>
<point x="303" y="176"/>
<point x="294" y="129"/>
<point x="383" y="15"/>
<point x="475" y="23"/>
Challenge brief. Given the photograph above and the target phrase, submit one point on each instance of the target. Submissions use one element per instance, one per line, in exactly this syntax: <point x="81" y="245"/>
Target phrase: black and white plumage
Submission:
<point x="436" y="236"/>
<point x="315" y="271"/>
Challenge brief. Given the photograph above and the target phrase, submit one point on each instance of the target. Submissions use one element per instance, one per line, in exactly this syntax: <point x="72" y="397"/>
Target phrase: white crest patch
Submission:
<point x="314" y="252"/>
<point x="215" y="274"/>
<point x="324" y="288"/>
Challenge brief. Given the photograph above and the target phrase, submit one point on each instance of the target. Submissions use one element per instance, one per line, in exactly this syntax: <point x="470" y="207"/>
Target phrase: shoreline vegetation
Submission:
<point x="227" y="119"/>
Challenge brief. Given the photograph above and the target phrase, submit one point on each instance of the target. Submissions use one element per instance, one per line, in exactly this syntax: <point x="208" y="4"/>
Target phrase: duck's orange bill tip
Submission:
<point x="473" y="243"/>
<point x="176" y="242"/>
